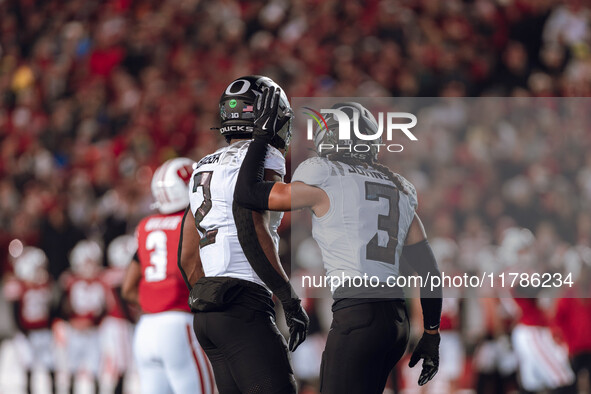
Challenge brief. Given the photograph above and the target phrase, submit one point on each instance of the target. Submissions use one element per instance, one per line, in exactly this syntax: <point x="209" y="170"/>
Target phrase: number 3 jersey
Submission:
<point x="364" y="230"/>
<point x="161" y="286"/>
<point x="211" y="191"/>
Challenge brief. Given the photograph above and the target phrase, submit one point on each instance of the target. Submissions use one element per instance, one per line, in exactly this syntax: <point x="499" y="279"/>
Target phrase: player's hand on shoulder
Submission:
<point x="428" y="350"/>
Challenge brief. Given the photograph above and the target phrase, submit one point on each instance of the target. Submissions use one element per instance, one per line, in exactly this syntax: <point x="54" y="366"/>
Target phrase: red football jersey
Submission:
<point x="161" y="287"/>
<point x="86" y="296"/>
<point x="34" y="302"/>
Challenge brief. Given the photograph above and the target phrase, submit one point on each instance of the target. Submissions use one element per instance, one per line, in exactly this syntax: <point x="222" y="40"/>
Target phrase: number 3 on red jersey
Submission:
<point x="156" y="246"/>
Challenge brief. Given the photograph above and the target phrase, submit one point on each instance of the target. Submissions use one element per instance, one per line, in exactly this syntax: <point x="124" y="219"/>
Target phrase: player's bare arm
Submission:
<point x="297" y="195"/>
<point x="129" y="288"/>
<point x="189" y="260"/>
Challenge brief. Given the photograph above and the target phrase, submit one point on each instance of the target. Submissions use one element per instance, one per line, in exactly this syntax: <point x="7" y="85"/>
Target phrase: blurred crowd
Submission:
<point x="94" y="95"/>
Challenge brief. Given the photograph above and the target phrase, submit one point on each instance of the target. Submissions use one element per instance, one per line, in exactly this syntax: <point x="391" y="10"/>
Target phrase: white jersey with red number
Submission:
<point x="161" y="287"/>
<point x="86" y="296"/>
<point x="34" y="301"/>
<point x="211" y="192"/>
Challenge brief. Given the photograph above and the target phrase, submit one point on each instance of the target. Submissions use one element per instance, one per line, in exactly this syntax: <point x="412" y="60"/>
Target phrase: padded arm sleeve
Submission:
<point x="251" y="190"/>
<point x="254" y="252"/>
<point x="421" y="258"/>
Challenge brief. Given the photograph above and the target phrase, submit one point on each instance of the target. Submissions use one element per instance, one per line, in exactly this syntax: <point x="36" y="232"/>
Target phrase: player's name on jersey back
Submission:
<point x="163" y="223"/>
<point x="209" y="159"/>
<point x="366" y="172"/>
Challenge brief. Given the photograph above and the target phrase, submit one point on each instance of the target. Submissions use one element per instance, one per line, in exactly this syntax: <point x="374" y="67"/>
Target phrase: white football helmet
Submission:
<point x="121" y="251"/>
<point x="85" y="258"/>
<point x="170" y="185"/>
<point x="31" y="265"/>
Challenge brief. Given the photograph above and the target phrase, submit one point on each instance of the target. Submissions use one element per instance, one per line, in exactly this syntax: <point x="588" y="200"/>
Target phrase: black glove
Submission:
<point x="266" y="114"/>
<point x="297" y="320"/>
<point x="428" y="350"/>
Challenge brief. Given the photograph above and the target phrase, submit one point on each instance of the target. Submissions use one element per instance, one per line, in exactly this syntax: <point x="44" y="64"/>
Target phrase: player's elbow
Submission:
<point x="246" y="199"/>
<point x="127" y="294"/>
<point x="255" y="197"/>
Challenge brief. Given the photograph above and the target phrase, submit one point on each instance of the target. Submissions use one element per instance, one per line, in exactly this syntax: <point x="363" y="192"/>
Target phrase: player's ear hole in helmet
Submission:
<point x="237" y="110"/>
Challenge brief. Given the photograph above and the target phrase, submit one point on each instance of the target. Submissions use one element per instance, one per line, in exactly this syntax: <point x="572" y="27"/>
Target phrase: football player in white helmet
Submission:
<point x="231" y="293"/>
<point x="116" y="329"/>
<point x="84" y="306"/>
<point x="168" y="356"/>
<point x="349" y="195"/>
<point x="169" y="185"/>
<point x="85" y="259"/>
<point x="30" y="292"/>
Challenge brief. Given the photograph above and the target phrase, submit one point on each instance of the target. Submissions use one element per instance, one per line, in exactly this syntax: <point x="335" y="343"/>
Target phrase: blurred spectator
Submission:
<point x="58" y="237"/>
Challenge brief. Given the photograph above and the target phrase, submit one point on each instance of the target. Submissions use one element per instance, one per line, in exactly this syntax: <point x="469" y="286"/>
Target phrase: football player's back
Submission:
<point x="212" y="190"/>
<point x="162" y="287"/>
<point x="364" y="230"/>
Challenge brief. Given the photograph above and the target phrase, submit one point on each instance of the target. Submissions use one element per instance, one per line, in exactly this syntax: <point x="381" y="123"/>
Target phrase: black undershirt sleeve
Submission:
<point x="421" y="259"/>
<point x="251" y="246"/>
<point x="252" y="191"/>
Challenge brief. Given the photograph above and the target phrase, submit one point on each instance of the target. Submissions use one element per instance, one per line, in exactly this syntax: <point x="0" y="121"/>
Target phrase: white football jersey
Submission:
<point x="211" y="192"/>
<point x="364" y="230"/>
